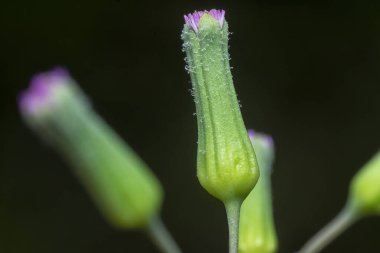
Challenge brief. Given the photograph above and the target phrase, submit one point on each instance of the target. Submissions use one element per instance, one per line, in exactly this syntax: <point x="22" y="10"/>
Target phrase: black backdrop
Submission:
<point x="305" y="72"/>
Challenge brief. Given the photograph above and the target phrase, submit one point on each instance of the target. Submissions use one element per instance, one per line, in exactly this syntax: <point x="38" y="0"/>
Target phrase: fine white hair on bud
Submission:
<point x="226" y="163"/>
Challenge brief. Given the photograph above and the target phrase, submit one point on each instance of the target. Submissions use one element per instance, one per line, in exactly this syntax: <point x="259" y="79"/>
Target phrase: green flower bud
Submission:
<point x="257" y="232"/>
<point x="120" y="183"/>
<point x="365" y="188"/>
<point x="226" y="163"/>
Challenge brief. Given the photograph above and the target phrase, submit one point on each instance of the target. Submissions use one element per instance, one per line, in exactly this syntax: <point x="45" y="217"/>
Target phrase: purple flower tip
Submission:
<point x="41" y="87"/>
<point x="193" y="19"/>
<point x="266" y="139"/>
<point x="218" y="15"/>
<point x="251" y="133"/>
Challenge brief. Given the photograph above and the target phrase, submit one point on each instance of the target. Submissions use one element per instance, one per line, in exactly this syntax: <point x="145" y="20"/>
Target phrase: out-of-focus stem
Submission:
<point x="161" y="237"/>
<point x="331" y="231"/>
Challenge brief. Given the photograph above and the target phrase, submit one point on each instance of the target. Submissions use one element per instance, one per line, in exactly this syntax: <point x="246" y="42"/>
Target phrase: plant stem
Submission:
<point x="161" y="237"/>
<point x="331" y="231"/>
<point x="233" y="216"/>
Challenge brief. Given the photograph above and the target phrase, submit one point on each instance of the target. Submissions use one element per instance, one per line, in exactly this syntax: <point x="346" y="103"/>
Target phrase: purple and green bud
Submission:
<point x="226" y="165"/>
<point x="43" y="92"/>
<point x="120" y="183"/>
<point x="257" y="231"/>
<point x="364" y="195"/>
<point x="193" y="19"/>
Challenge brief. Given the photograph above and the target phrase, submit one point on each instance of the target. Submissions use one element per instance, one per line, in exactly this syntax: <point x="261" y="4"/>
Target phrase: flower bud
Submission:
<point x="120" y="183"/>
<point x="257" y="232"/>
<point x="226" y="163"/>
<point x="365" y="188"/>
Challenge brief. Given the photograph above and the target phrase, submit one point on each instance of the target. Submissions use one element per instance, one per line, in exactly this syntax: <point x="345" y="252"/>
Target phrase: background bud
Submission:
<point x="365" y="188"/>
<point x="257" y="232"/>
<point x="119" y="182"/>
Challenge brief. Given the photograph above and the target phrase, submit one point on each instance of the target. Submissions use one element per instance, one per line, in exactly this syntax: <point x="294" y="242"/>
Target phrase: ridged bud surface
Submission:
<point x="226" y="163"/>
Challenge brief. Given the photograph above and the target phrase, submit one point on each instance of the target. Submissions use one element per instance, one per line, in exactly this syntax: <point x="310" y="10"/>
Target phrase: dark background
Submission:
<point x="306" y="72"/>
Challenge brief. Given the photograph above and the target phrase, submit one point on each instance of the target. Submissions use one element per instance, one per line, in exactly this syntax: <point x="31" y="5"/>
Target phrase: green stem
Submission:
<point x="233" y="215"/>
<point x="161" y="237"/>
<point x="331" y="231"/>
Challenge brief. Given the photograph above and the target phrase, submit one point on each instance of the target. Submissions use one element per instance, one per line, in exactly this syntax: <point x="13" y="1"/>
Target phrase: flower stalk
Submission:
<point x="331" y="231"/>
<point x="363" y="201"/>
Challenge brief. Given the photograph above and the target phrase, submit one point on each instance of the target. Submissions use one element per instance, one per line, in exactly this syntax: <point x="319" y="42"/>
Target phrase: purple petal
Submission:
<point x="218" y="15"/>
<point x="251" y="134"/>
<point x="268" y="140"/>
<point x="192" y="19"/>
<point x="41" y="90"/>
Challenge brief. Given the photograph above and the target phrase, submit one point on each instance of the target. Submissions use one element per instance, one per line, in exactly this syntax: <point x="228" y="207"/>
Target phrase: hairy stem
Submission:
<point x="233" y="215"/>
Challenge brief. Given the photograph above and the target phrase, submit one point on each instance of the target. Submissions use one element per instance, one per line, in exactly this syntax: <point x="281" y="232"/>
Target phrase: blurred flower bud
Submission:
<point x="227" y="166"/>
<point x="365" y="188"/>
<point x="257" y="232"/>
<point x="120" y="183"/>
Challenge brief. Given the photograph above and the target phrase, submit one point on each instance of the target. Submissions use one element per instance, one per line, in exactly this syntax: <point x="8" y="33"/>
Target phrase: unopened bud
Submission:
<point x="257" y="232"/>
<point x="120" y="183"/>
<point x="365" y="188"/>
<point x="226" y="165"/>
